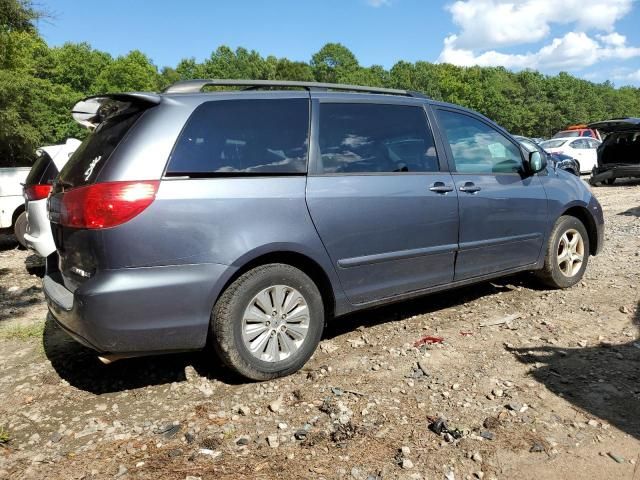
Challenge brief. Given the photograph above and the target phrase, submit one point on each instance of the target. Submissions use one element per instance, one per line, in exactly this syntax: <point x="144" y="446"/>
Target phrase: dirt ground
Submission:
<point x="551" y="391"/>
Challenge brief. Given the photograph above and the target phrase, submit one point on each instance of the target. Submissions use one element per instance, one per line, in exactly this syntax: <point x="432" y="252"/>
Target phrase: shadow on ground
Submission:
<point x="621" y="182"/>
<point x="632" y="212"/>
<point x="12" y="302"/>
<point x="80" y="366"/>
<point x="602" y="381"/>
<point x="428" y="304"/>
<point x="8" y="242"/>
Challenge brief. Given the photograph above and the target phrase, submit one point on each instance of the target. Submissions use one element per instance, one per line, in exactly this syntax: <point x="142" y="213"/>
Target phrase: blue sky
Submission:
<point x="593" y="39"/>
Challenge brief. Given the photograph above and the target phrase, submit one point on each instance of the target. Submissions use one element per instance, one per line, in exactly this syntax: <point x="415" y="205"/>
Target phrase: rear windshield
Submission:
<point x="89" y="159"/>
<point x="243" y="137"/>
<point x="552" y="143"/>
<point x="567" y="133"/>
<point x="44" y="170"/>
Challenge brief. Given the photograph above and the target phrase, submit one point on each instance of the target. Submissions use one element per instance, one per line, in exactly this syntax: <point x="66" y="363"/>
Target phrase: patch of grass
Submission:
<point x="4" y="436"/>
<point x="23" y="332"/>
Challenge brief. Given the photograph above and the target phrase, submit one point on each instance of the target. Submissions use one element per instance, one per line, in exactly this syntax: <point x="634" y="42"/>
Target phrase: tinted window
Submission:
<point x="88" y="160"/>
<point x="243" y="136"/>
<point x="369" y="138"/>
<point x="553" y="143"/>
<point x="478" y="148"/>
<point x="587" y="133"/>
<point x="579" y="144"/>
<point x="567" y="133"/>
<point x="43" y="171"/>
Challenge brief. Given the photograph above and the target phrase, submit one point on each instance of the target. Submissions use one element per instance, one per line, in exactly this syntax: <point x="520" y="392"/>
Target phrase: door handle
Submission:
<point x="440" y="187"/>
<point x="470" y="187"/>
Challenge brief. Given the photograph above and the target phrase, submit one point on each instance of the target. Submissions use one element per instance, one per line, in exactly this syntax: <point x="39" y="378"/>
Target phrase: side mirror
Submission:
<point x="536" y="162"/>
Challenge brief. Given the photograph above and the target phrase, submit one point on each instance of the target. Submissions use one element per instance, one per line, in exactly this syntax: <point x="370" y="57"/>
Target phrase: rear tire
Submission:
<point x="268" y="322"/>
<point x="567" y="254"/>
<point x="20" y="228"/>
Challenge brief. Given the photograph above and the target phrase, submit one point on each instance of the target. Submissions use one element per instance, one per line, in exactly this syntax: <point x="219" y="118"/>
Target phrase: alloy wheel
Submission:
<point x="570" y="253"/>
<point x="275" y="323"/>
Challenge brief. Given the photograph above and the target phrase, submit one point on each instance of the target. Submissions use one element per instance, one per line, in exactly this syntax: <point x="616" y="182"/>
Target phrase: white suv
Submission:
<point x="37" y="187"/>
<point x="12" y="216"/>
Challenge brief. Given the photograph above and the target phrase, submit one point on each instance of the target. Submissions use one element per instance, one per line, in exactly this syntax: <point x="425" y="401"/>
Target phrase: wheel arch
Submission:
<point x="582" y="214"/>
<point x="16" y="213"/>
<point x="298" y="260"/>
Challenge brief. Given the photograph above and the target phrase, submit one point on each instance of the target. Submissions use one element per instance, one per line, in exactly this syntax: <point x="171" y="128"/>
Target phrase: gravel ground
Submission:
<point x="552" y="390"/>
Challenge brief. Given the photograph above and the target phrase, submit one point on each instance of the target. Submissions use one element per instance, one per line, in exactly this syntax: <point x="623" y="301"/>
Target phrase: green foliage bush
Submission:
<point x="39" y="84"/>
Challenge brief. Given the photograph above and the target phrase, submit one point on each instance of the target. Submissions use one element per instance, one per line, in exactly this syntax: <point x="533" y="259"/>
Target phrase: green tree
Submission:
<point x="132" y="72"/>
<point x="78" y="66"/>
<point x="188" y="69"/>
<point x="18" y="15"/>
<point x="333" y="63"/>
<point x="225" y="63"/>
<point x="288" y="70"/>
<point x="33" y="112"/>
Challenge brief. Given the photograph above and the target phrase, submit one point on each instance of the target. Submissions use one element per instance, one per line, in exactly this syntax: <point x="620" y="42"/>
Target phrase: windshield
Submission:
<point x="553" y="144"/>
<point x="528" y="145"/>
<point x="567" y="133"/>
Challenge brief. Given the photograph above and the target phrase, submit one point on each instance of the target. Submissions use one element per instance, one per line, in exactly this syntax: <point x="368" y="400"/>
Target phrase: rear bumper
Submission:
<point x="141" y="310"/>
<point x="607" y="172"/>
<point x="38" y="236"/>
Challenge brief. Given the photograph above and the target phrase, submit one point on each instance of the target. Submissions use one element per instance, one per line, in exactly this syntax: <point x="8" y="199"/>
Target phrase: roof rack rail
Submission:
<point x="195" y="86"/>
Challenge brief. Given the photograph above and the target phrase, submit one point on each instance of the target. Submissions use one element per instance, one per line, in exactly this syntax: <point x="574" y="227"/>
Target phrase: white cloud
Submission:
<point x="614" y="39"/>
<point x="628" y="77"/>
<point x="573" y="51"/>
<point x="486" y="25"/>
<point x="379" y="3"/>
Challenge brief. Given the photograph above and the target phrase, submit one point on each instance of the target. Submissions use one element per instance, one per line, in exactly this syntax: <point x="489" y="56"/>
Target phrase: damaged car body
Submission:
<point x="619" y="154"/>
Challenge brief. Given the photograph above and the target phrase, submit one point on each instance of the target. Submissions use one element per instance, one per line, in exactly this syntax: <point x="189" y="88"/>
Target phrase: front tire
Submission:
<point x="567" y="254"/>
<point x="268" y="322"/>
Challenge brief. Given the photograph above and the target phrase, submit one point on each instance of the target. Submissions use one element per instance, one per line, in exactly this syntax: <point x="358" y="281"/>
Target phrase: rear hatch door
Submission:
<point x="621" y="145"/>
<point x="617" y="125"/>
<point x="109" y="118"/>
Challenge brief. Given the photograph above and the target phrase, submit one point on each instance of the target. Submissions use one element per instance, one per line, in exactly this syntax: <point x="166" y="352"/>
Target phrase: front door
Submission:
<point x="503" y="212"/>
<point x="385" y="210"/>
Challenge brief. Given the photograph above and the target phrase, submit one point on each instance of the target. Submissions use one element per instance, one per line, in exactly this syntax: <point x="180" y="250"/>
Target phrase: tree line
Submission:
<point x="39" y="84"/>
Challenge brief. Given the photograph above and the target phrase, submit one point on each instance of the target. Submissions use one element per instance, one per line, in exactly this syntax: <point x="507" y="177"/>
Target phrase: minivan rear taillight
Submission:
<point x="37" y="192"/>
<point x="104" y="205"/>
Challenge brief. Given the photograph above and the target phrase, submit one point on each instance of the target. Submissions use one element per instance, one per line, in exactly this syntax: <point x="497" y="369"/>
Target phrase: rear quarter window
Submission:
<point x="89" y="159"/>
<point x="243" y="137"/>
<point x="43" y="170"/>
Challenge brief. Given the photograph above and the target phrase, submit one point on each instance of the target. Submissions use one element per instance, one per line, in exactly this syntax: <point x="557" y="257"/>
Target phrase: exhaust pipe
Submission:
<point x="109" y="358"/>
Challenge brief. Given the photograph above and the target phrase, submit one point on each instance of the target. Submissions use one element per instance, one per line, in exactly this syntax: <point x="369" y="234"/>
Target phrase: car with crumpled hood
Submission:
<point x="619" y="153"/>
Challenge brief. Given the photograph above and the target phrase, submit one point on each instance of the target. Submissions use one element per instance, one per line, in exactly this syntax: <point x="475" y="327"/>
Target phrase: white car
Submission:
<point x="37" y="187"/>
<point x="12" y="217"/>
<point x="582" y="149"/>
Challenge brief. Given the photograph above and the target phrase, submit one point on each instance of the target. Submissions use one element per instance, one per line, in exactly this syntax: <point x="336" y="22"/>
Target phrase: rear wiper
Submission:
<point x="64" y="184"/>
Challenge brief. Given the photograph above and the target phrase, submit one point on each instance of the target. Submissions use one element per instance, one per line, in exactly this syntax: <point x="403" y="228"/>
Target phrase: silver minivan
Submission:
<point x="245" y="219"/>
